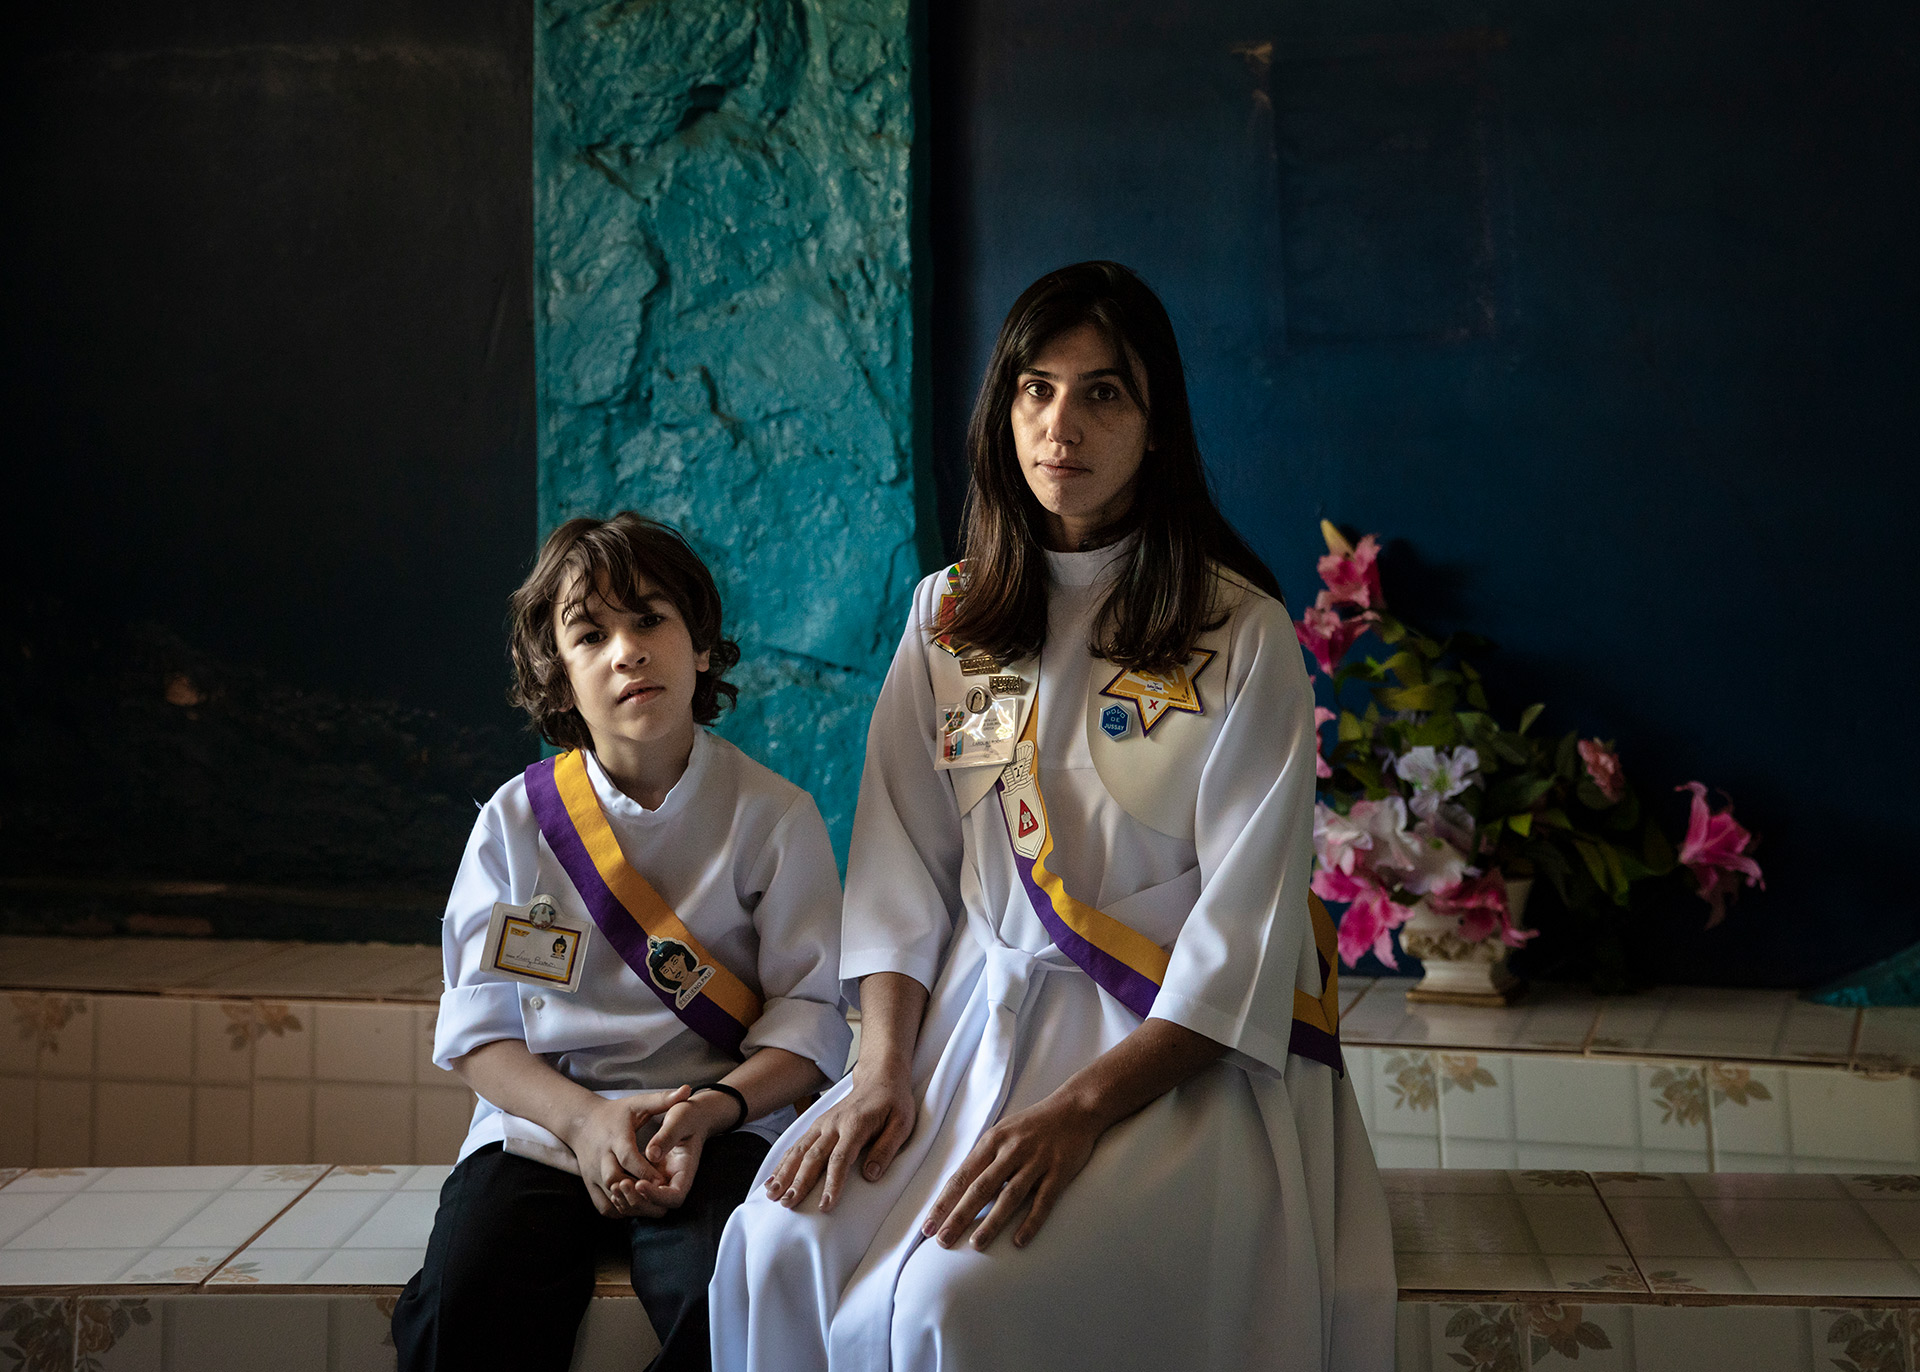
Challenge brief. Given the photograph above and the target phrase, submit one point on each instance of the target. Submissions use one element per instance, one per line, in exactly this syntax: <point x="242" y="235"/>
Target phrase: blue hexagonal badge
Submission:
<point x="1113" y="721"/>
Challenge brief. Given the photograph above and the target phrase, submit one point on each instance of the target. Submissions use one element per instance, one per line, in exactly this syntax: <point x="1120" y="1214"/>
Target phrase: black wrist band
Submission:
<point x="738" y="1099"/>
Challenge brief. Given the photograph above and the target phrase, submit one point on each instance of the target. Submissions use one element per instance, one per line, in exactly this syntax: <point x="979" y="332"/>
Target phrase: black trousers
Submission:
<point x="509" y="1269"/>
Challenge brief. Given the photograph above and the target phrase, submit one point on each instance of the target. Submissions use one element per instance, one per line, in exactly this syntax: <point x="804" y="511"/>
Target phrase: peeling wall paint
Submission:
<point x="723" y="309"/>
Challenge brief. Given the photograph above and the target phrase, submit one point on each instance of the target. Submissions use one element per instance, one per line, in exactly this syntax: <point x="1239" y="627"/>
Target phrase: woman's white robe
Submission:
<point x="1237" y="1221"/>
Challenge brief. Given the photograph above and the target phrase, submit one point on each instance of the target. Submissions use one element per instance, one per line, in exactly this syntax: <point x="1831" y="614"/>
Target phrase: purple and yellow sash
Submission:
<point x="709" y="999"/>
<point x="1122" y="961"/>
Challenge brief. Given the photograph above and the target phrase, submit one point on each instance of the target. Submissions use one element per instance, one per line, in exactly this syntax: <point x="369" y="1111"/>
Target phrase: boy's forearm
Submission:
<point x="771" y="1079"/>
<point x="506" y="1073"/>
<point x="891" y="1004"/>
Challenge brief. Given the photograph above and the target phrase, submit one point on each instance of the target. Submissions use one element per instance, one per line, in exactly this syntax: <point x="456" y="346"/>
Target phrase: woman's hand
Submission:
<point x="605" y="1140"/>
<point x="1026" y="1159"/>
<point x="876" y="1114"/>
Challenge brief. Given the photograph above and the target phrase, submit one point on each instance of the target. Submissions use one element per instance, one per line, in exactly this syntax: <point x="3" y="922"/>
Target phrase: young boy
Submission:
<point x="644" y="936"/>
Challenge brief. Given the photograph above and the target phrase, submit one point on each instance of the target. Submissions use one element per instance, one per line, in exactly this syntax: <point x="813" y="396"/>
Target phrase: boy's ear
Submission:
<point x="704" y="662"/>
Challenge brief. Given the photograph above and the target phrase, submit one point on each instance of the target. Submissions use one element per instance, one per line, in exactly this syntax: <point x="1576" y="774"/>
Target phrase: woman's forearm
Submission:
<point x="506" y="1073"/>
<point x="891" y="1004"/>
<point x="1137" y="1071"/>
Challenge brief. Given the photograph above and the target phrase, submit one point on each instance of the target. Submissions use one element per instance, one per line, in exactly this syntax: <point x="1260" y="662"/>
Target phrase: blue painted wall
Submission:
<point x="724" y="318"/>
<point x="1604" y="313"/>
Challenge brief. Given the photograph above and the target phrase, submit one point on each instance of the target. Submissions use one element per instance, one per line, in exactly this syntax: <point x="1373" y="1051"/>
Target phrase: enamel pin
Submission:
<point x="943" y="614"/>
<point x="1155" y="693"/>
<point x="1113" y="721"/>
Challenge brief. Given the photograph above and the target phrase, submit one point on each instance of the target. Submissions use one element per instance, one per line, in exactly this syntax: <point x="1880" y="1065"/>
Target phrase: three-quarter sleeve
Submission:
<point x="793" y="889"/>
<point x="1239" y="956"/>
<point x="903" y="867"/>
<point x="476" y="1007"/>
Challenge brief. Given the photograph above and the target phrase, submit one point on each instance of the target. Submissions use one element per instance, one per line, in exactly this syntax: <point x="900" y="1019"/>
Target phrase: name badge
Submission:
<point x="536" y="944"/>
<point x="978" y="731"/>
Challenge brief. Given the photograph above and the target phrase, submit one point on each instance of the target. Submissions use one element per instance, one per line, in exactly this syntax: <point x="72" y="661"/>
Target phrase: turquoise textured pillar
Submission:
<point x="724" y="320"/>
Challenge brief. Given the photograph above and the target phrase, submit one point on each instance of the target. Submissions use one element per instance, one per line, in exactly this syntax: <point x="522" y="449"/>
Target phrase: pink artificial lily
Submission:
<point x="1352" y="577"/>
<point x="1322" y="716"/>
<point x="1371" y="915"/>
<point x="1325" y="633"/>
<point x="1603" y="769"/>
<point x="1715" y="851"/>
<point x="1481" y="905"/>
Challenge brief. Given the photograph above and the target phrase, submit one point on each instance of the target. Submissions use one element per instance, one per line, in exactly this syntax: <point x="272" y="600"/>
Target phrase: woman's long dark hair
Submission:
<point x="1167" y="594"/>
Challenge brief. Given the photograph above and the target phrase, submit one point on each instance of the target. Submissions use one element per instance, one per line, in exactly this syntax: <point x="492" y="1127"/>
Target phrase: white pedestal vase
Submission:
<point x="1458" y="972"/>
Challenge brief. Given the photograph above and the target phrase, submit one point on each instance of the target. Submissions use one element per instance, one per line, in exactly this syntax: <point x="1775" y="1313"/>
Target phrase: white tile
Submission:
<point x="369" y="1177"/>
<point x="282" y="1040"/>
<point x="1673" y="1105"/>
<point x="1406" y="1095"/>
<point x="369" y="1267"/>
<point x="229" y="1220"/>
<point x="19" y="1034"/>
<point x="1695" y="1338"/>
<point x="440" y="1123"/>
<point x="364" y="1043"/>
<point x="1889" y="1038"/>
<point x="1834" y="1115"/>
<point x="1575" y="1101"/>
<point x="173" y="1265"/>
<point x="222" y="1124"/>
<point x="222" y="1041"/>
<point x="1584" y="1157"/>
<point x="614" y="1337"/>
<point x="404" y="1220"/>
<point x="20" y="1210"/>
<point x="1583" y="1338"/>
<point x="1362" y="1063"/>
<point x="16" y="1121"/>
<point x="64" y="1180"/>
<point x="284" y="1333"/>
<point x="94" y="1219"/>
<point x="319" y="1219"/>
<point x="144" y="1038"/>
<point x="360" y="1333"/>
<point x="1394" y="1151"/>
<point x="297" y="1176"/>
<point x="429" y="1177"/>
<point x="1749" y="1107"/>
<point x="1476" y="1096"/>
<point x="362" y="1123"/>
<point x="64" y="1266"/>
<point x="135" y="1122"/>
<point x="282" y="1122"/>
<point x="206" y="1179"/>
<point x="63" y="1127"/>
<point x="124" y="1334"/>
<point x="257" y="1266"/>
<point x="66" y="1036"/>
<point x="1498" y="1154"/>
<point x="1830" y="1278"/>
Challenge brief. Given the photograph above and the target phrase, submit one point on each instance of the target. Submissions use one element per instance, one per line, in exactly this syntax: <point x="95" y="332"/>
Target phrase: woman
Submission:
<point x="1098" y="1008"/>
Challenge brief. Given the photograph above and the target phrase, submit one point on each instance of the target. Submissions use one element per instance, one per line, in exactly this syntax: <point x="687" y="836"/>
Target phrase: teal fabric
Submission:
<point x="723" y="294"/>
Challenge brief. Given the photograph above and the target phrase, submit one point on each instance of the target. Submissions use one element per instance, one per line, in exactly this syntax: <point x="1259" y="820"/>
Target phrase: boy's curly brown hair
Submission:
<point x="613" y="556"/>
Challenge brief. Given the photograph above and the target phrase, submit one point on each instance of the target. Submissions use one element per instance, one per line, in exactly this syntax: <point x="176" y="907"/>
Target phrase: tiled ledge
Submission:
<point x="1726" y="1025"/>
<point x="367" y="973"/>
<point x="168" y="1269"/>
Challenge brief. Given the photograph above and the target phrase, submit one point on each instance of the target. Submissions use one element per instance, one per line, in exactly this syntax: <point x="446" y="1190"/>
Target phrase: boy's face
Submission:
<point x="632" y="668"/>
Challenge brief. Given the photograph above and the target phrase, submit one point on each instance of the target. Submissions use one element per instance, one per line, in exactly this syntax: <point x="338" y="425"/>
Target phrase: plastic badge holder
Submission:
<point x="979" y="738"/>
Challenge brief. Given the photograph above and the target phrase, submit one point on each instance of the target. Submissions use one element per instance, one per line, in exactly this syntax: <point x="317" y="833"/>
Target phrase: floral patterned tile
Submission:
<point x="1505" y="1231"/>
<point x="1549" y="1018"/>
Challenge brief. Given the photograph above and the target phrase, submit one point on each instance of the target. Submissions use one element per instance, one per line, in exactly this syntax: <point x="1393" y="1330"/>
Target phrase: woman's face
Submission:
<point x="1078" y="434"/>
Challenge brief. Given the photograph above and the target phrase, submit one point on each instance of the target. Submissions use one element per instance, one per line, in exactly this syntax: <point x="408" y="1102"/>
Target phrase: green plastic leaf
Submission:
<point x="1407" y="666"/>
<point x="1566" y="758"/>
<point x="1528" y="715"/>
<point x="1351" y="730"/>
<point x="1521" y="824"/>
<point x="1427" y="697"/>
<point x="1477" y="696"/>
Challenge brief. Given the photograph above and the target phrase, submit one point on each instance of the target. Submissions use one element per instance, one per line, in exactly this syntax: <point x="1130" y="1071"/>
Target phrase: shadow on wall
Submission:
<point x="161" y="790"/>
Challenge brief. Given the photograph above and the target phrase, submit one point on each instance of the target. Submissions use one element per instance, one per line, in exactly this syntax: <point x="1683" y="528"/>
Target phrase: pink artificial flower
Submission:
<point x="1325" y="633"/>
<point x="1603" y="769"/>
<point x="1371" y="915"/>
<point x="1337" y="841"/>
<point x="1480" y="903"/>
<point x="1715" y="851"/>
<point x="1352" y="577"/>
<point x="1321" y="716"/>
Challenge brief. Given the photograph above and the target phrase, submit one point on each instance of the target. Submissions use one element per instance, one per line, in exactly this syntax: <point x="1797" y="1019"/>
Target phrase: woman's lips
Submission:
<point x="1062" y="469"/>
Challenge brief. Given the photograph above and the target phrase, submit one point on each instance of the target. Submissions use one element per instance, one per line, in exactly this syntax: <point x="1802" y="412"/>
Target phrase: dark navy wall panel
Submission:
<point x="1605" y="314"/>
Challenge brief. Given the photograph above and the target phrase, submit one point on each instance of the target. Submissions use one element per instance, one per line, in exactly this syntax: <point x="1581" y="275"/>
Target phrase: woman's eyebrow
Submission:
<point x="1084" y="376"/>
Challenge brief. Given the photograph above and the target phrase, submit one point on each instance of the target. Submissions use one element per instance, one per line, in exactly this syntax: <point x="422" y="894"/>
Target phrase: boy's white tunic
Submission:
<point x="742" y="857"/>
<point x="1235" y="1222"/>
